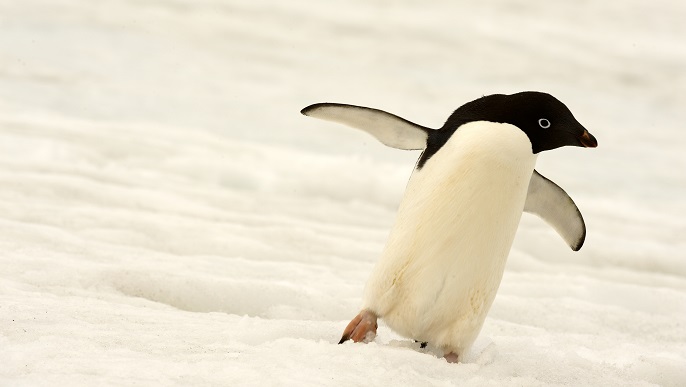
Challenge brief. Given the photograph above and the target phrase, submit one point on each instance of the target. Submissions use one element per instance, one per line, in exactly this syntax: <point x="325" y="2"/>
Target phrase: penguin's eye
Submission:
<point x="543" y="123"/>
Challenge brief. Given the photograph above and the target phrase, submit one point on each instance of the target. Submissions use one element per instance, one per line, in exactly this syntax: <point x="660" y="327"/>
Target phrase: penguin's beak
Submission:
<point x="588" y="140"/>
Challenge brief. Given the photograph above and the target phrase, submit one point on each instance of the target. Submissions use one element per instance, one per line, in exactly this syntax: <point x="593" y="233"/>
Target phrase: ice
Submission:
<point x="167" y="217"/>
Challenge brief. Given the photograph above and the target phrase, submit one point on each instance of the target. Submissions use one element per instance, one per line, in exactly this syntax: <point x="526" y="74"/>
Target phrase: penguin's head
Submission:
<point x="546" y="121"/>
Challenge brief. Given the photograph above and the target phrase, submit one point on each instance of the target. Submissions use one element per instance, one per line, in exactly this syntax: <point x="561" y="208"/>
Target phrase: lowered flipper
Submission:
<point x="552" y="204"/>
<point x="388" y="128"/>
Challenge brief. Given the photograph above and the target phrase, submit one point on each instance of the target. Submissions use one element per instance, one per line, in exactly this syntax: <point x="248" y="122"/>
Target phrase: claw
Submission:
<point x="361" y="328"/>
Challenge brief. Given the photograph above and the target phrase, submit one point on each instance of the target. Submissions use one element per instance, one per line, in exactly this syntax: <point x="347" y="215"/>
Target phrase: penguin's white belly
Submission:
<point x="445" y="256"/>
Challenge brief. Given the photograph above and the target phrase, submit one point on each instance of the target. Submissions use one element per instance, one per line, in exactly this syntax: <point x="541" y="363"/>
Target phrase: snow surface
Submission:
<point x="167" y="217"/>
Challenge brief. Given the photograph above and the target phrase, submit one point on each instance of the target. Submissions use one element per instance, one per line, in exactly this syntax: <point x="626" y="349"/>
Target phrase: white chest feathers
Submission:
<point x="445" y="256"/>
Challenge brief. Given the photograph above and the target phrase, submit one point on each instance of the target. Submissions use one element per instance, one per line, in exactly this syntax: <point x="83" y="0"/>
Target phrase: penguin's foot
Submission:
<point x="361" y="328"/>
<point x="450" y="357"/>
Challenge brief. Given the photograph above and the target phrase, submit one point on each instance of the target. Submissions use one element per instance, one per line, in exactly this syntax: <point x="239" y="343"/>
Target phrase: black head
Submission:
<point x="546" y="121"/>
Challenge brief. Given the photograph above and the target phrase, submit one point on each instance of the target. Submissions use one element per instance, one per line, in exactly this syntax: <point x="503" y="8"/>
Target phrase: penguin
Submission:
<point x="443" y="262"/>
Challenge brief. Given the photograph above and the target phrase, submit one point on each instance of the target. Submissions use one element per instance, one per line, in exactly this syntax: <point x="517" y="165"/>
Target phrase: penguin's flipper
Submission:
<point x="552" y="204"/>
<point x="388" y="128"/>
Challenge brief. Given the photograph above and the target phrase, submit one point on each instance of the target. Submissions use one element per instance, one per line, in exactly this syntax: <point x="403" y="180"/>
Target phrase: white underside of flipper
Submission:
<point x="552" y="204"/>
<point x="446" y="253"/>
<point x="388" y="128"/>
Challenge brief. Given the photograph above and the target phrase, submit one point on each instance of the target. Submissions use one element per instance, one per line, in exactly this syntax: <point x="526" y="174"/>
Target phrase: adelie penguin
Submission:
<point x="444" y="258"/>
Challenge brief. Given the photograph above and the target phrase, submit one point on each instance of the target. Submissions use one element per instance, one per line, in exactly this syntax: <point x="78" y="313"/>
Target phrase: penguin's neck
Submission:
<point x="487" y="143"/>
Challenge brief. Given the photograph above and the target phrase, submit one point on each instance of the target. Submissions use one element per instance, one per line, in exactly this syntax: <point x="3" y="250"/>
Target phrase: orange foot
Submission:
<point x="362" y="327"/>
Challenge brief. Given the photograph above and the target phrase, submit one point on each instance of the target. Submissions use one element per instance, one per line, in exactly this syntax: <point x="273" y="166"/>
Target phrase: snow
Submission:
<point x="167" y="217"/>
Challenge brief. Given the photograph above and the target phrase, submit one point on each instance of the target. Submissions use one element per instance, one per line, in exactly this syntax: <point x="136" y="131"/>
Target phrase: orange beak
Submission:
<point x="588" y="140"/>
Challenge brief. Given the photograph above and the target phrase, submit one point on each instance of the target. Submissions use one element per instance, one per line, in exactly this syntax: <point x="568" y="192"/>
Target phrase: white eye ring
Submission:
<point x="543" y="123"/>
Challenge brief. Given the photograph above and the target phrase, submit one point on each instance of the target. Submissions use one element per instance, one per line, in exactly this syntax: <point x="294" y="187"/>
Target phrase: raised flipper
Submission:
<point x="552" y="204"/>
<point x="388" y="128"/>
